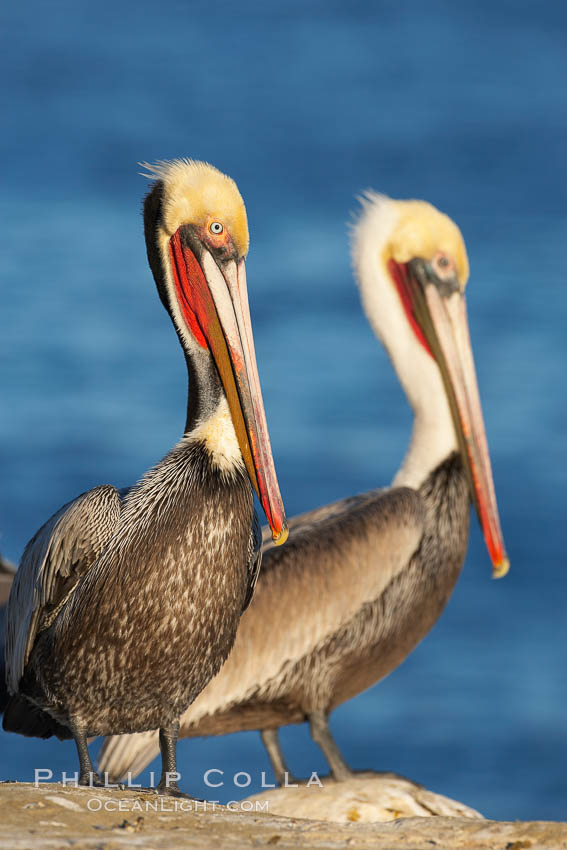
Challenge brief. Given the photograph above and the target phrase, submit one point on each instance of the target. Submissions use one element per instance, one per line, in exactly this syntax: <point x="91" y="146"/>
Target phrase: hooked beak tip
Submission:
<point x="279" y="537"/>
<point x="500" y="569"/>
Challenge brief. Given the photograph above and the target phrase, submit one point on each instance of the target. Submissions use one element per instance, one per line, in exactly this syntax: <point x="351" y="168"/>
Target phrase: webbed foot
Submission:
<point x="171" y="789"/>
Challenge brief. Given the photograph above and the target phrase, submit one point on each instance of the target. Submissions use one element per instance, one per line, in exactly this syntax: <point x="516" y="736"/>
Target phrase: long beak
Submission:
<point x="442" y="318"/>
<point x="217" y="301"/>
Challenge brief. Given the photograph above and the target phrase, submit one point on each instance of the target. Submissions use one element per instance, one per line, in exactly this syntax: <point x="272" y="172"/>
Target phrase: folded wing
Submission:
<point x="327" y="548"/>
<point x="53" y="562"/>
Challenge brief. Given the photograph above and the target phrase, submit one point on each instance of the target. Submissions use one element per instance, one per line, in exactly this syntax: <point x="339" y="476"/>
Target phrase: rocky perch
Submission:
<point x="374" y="811"/>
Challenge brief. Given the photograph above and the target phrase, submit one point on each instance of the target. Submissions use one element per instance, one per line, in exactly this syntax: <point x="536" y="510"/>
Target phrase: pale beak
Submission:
<point x="442" y="316"/>
<point x="218" y="299"/>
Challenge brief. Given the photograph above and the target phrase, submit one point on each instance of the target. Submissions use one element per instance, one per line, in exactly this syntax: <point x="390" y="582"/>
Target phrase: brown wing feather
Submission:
<point x="306" y="590"/>
<point x="309" y="520"/>
<point x="53" y="561"/>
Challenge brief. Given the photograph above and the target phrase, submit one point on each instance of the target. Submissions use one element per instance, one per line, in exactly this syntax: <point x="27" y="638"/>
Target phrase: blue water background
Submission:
<point x="305" y="104"/>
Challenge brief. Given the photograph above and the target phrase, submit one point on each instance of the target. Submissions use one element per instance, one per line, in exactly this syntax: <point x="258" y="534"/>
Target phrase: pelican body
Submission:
<point x="363" y="580"/>
<point x="126" y="604"/>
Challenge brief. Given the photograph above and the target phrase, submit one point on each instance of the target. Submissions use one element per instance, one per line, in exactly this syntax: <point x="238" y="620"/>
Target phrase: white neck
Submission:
<point x="433" y="437"/>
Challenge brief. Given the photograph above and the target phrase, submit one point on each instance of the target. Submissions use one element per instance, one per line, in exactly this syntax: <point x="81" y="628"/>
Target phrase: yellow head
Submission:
<point x="199" y="194"/>
<point x="197" y="238"/>
<point x="422" y="231"/>
<point x="412" y="268"/>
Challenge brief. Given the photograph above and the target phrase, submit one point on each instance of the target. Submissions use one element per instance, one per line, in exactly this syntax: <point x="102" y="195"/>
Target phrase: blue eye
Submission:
<point x="216" y="227"/>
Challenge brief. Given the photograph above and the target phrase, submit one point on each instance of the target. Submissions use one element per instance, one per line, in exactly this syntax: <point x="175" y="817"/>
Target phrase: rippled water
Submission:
<point x="305" y="105"/>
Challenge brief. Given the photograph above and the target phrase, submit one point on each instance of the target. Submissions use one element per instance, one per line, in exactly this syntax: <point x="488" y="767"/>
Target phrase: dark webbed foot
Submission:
<point x="171" y="789"/>
<point x="87" y="774"/>
<point x="91" y="779"/>
<point x="169" y="777"/>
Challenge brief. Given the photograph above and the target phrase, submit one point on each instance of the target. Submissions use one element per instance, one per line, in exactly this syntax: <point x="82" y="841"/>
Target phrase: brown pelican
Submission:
<point x="363" y="580"/>
<point x="124" y="607"/>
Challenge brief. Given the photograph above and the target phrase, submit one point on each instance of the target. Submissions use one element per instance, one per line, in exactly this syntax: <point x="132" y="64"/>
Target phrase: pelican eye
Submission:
<point x="216" y="227"/>
<point x="443" y="266"/>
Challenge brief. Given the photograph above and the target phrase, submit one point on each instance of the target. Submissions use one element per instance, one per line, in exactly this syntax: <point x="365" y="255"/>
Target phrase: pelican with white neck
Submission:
<point x="363" y="580"/>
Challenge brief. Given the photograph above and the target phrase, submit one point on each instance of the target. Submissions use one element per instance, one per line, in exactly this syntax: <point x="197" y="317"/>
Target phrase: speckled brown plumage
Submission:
<point x="382" y="633"/>
<point x="187" y="596"/>
<point x="335" y="549"/>
<point x="126" y="603"/>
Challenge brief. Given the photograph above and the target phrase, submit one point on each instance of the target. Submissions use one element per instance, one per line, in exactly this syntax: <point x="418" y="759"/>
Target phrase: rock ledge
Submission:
<point x="54" y="817"/>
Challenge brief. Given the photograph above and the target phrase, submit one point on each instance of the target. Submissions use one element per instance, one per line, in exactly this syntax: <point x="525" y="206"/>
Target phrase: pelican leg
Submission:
<point x="87" y="773"/>
<point x="321" y="734"/>
<point x="168" y="736"/>
<point x="270" y="739"/>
